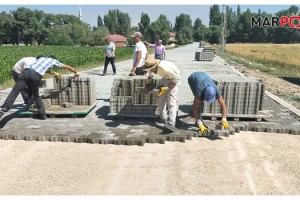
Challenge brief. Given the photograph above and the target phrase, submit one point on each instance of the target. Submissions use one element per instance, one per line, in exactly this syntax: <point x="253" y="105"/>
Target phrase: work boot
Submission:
<point x="170" y="127"/>
<point x="41" y="117"/>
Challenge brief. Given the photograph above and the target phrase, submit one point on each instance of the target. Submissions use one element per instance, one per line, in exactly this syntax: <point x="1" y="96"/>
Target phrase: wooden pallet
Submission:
<point x="55" y="111"/>
<point x="123" y="116"/>
<point x="238" y="117"/>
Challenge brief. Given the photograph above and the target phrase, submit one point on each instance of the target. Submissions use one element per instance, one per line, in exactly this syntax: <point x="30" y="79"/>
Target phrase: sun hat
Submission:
<point x="210" y="94"/>
<point x="150" y="63"/>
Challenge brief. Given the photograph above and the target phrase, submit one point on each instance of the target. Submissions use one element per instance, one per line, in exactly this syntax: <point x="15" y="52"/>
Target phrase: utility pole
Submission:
<point x="223" y="29"/>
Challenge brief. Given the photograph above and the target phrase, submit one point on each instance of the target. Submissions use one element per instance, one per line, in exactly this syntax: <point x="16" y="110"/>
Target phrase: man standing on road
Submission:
<point x="140" y="54"/>
<point x="204" y="88"/>
<point x="168" y="91"/>
<point x="160" y="51"/>
<point x="109" y="56"/>
<point x="18" y="70"/>
<point x="32" y="77"/>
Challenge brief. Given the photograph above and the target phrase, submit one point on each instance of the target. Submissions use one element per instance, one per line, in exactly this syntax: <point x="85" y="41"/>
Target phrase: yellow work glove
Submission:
<point x="76" y="75"/>
<point x="203" y="130"/>
<point x="57" y="75"/>
<point x="162" y="91"/>
<point x="224" y="123"/>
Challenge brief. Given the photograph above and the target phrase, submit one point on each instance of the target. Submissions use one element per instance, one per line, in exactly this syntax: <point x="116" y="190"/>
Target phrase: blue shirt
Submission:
<point x="44" y="64"/>
<point x="198" y="81"/>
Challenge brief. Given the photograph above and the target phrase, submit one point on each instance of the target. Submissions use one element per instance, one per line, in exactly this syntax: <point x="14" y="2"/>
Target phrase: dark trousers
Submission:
<point x="31" y="79"/>
<point x="24" y="92"/>
<point x="112" y="62"/>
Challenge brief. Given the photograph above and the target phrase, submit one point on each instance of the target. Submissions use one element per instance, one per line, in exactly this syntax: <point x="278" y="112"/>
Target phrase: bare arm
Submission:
<point x="138" y="58"/>
<point x="69" y="68"/>
<point x="196" y="106"/>
<point x="223" y="106"/>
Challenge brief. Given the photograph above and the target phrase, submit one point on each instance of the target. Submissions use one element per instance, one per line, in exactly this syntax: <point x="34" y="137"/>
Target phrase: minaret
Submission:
<point x="80" y="14"/>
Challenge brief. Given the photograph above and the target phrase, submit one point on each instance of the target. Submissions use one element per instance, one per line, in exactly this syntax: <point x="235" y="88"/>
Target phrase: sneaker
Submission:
<point x="103" y="74"/>
<point x="170" y="127"/>
<point x="114" y="74"/>
<point x="4" y="109"/>
<point x="41" y="117"/>
<point x="1" y="113"/>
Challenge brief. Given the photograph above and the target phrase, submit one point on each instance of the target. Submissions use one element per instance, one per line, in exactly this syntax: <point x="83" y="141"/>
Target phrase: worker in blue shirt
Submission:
<point x="205" y="89"/>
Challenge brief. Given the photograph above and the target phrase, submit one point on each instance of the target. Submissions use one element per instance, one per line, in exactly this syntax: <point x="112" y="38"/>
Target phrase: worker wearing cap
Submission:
<point x="31" y="77"/>
<point x="205" y="89"/>
<point x="168" y="91"/>
<point x="140" y="54"/>
<point x="160" y="50"/>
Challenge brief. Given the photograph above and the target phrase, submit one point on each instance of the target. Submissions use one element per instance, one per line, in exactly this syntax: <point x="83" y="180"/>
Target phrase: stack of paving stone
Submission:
<point x="242" y="95"/>
<point x="77" y="91"/>
<point x="204" y="53"/>
<point x="129" y="97"/>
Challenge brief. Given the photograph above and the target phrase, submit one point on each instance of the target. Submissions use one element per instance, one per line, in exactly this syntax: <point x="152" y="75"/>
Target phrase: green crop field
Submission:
<point x="78" y="57"/>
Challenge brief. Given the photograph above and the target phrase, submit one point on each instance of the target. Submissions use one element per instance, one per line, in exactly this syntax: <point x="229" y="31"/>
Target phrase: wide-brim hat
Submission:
<point x="150" y="63"/>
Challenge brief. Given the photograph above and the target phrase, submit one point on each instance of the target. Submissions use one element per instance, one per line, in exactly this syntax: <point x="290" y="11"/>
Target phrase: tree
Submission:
<point x="160" y="29"/>
<point x="144" y="23"/>
<point x="96" y="37"/>
<point x="117" y="22"/>
<point x="183" y="28"/>
<point x="198" y="30"/>
<point x="215" y="17"/>
<point x="60" y="35"/>
<point x="214" y="34"/>
<point x="99" y="21"/>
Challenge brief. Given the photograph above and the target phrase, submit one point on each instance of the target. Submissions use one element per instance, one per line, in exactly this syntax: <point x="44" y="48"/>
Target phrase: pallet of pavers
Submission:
<point x="70" y="97"/>
<point x="243" y="96"/>
<point x="129" y="99"/>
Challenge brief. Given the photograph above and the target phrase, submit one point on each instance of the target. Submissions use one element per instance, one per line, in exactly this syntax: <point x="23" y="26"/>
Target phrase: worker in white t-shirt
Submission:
<point x="18" y="70"/>
<point x="140" y="54"/>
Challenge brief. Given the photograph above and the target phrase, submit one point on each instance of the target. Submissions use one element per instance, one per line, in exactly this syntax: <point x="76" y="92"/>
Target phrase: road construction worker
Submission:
<point x="18" y="70"/>
<point x="205" y="89"/>
<point x="140" y="54"/>
<point x="168" y="90"/>
<point x="31" y="77"/>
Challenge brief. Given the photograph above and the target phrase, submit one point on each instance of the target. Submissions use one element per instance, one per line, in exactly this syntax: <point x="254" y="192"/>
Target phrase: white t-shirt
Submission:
<point x="140" y="47"/>
<point x="110" y="48"/>
<point x="23" y="64"/>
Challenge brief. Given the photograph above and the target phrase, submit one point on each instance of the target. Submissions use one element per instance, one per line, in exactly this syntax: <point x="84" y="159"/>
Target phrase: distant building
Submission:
<point x="119" y="40"/>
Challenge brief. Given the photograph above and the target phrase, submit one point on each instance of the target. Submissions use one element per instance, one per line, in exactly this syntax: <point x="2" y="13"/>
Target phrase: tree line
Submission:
<point x="28" y="26"/>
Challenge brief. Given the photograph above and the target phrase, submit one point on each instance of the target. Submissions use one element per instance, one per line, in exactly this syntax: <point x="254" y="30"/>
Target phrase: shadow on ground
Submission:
<point x="293" y="80"/>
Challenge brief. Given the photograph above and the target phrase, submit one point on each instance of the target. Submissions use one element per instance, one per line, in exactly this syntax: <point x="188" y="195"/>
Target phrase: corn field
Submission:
<point x="82" y="57"/>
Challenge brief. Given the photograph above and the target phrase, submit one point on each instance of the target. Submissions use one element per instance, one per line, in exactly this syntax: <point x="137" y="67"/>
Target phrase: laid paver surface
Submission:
<point x="97" y="128"/>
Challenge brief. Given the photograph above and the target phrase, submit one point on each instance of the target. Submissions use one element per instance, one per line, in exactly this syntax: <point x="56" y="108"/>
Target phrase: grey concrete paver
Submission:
<point x="97" y="128"/>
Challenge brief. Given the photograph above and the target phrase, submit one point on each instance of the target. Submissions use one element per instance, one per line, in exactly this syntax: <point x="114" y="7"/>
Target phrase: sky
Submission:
<point x="90" y="12"/>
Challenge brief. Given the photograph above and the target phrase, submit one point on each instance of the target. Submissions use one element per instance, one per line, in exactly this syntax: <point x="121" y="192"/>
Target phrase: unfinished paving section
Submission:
<point x="97" y="128"/>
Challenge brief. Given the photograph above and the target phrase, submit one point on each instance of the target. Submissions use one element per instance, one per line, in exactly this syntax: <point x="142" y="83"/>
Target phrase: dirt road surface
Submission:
<point x="247" y="163"/>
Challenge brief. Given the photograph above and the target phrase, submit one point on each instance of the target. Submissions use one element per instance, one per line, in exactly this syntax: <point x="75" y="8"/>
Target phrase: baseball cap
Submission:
<point x="210" y="94"/>
<point x="137" y="34"/>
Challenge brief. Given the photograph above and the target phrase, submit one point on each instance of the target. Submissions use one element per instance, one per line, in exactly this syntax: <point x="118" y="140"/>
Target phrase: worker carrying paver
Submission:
<point x="31" y="77"/>
<point x="18" y="70"/>
<point x="168" y="90"/>
<point x="205" y="89"/>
